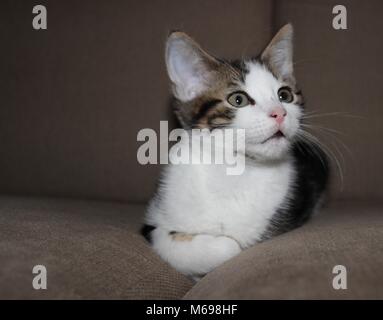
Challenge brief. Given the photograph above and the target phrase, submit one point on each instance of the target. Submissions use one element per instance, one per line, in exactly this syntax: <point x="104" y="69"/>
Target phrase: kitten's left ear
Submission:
<point x="190" y="68"/>
<point x="278" y="55"/>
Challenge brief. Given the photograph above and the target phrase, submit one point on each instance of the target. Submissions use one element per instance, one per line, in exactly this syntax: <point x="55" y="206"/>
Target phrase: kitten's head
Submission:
<point x="258" y="95"/>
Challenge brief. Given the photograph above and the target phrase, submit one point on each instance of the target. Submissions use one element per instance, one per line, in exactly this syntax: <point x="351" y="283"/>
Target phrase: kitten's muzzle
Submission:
<point x="278" y="113"/>
<point x="277" y="135"/>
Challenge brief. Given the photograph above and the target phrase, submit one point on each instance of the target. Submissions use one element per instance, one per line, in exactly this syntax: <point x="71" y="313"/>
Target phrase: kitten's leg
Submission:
<point x="193" y="255"/>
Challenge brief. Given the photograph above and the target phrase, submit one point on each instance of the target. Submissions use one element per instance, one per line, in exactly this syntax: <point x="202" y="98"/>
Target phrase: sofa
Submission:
<point x="73" y="195"/>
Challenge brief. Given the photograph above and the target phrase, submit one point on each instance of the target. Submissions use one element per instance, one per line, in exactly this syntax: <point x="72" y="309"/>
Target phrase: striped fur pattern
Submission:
<point x="200" y="217"/>
<point x="210" y="110"/>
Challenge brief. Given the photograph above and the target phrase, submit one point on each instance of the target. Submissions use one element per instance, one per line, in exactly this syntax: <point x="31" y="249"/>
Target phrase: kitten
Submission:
<point x="200" y="216"/>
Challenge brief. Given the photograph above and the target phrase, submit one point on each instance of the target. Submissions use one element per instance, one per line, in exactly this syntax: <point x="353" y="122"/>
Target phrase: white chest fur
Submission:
<point x="204" y="199"/>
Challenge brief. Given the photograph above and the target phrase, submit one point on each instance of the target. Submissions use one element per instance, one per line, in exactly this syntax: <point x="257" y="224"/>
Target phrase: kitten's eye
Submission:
<point x="238" y="99"/>
<point x="285" y="95"/>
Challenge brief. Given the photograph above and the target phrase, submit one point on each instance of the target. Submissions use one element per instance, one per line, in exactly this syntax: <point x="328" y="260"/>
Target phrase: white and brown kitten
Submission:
<point x="200" y="216"/>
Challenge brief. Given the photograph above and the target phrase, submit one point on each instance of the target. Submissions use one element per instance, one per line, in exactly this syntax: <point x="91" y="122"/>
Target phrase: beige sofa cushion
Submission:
<point x="299" y="264"/>
<point x="92" y="250"/>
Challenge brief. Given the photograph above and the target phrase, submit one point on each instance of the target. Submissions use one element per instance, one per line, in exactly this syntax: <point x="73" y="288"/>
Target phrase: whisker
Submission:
<point x="313" y="150"/>
<point x="312" y="139"/>
<point x="329" y="114"/>
<point x="315" y="126"/>
<point x="330" y="132"/>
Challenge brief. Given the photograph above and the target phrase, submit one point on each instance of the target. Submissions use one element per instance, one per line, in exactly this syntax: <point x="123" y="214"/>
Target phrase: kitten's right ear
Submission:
<point x="190" y="68"/>
<point x="278" y="55"/>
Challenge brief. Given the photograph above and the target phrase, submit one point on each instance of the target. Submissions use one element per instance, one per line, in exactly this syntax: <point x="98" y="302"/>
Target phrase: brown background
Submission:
<point x="73" y="97"/>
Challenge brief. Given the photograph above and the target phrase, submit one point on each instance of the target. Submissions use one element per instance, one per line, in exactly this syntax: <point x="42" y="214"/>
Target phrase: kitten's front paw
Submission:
<point x="225" y="247"/>
<point x="193" y="254"/>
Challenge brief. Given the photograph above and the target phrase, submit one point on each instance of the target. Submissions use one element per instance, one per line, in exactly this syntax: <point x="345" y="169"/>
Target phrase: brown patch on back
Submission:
<point x="180" y="236"/>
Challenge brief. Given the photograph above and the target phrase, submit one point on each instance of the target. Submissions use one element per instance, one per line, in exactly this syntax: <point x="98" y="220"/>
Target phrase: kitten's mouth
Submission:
<point x="278" y="135"/>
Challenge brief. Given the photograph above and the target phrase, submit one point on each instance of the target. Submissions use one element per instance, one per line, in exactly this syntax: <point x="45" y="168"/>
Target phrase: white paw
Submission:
<point x="218" y="249"/>
<point x="227" y="247"/>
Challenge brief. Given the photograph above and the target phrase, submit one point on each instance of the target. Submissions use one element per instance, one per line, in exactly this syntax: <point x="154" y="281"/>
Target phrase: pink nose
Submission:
<point x="279" y="114"/>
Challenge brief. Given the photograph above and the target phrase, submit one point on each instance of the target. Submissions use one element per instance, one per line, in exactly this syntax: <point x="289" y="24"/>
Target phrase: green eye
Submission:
<point x="285" y="95"/>
<point x="238" y="99"/>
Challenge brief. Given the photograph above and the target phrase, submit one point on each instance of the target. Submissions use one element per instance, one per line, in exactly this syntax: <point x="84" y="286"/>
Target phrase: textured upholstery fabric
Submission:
<point x="74" y="96"/>
<point x="91" y="250"/>
<point x="299" y="264"/>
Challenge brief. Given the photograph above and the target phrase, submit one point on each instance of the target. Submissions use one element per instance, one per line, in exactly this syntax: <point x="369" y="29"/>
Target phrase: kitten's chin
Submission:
<point x="271" y="150"/>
